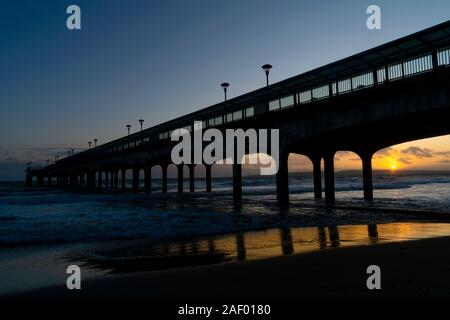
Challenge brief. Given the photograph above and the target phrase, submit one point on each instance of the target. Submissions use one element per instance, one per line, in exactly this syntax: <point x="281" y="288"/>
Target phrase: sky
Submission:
<point x="160" y="59"/>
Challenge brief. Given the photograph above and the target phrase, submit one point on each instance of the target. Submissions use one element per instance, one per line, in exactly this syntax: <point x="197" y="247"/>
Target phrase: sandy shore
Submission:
<point x="410" y="270"/>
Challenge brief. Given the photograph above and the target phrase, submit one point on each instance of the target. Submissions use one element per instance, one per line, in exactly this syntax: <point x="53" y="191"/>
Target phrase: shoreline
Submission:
<point x="420" y="273"/>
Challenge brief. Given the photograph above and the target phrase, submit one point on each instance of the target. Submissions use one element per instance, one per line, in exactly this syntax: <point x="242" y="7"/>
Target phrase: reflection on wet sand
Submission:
<point x="256" y="245"/>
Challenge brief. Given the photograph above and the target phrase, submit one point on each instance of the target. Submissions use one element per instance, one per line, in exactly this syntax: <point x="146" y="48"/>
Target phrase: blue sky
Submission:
<point x="157" y="60"/>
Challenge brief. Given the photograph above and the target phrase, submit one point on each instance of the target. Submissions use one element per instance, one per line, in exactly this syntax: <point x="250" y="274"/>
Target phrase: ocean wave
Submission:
<point x="52" y="216"/>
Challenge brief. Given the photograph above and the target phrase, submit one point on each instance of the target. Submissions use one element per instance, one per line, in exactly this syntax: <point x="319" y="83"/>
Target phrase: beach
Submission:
<point x="409" y="270"/>
<point x="199" y="246"/>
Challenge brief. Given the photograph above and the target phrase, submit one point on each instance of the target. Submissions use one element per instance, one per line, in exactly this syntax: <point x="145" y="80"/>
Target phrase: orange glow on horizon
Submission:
<point x="392" y="163"/>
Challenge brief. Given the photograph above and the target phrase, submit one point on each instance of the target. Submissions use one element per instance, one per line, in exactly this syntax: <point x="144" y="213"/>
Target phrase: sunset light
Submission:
<point x="212" y="159"/>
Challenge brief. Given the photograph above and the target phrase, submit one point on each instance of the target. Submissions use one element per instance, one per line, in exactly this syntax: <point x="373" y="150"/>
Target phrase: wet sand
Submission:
<point x="410" y="270"/>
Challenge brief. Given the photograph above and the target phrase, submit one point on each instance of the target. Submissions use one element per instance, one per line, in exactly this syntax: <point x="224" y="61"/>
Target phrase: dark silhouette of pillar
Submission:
<point x="73" y="180"/>
<point x="90" y="180"/>
<point x="373" y="231"/>
<point x="49" y="181"/>
<point x="208" y="177"/>
<point x="100" y="182"/>
<point x="237" y="182"/>
<point x="287" y="246"/>
<point x="40" y="181"/>
<point x="124" y="179"/>
<point x="283" y="180"/>
<point x="240" y="247"/>
<point x="180" y="178"/>
<point x="329" y="177"/>
<point x="367" y="175"/>
<point x="148" y="179"/>
<point x="164" y="178"/>
<point x="106" y="179"/>
<point x="135" y="179"/>
<point x="322" y="237"/>
<point x="192" y="178"/>
<point x="317" y="177"/>
<point x="334" y="236"/>
<point x="29" y="182"/>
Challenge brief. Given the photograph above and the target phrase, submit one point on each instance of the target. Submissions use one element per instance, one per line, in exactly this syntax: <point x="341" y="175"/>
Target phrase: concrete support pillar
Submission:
<point x="208" y="177"/>
<point x="237" y="182"/>
<point x="29" y="181"/>
<point x="71" y="180"/>
<point x="148" y="180"/>
<point x="283" y="180"/>
<point x="192" y="178"/>
<point x="100" y="182"/>
<point x="329" y="177"/>
<point x="136" y="180"/>
<point x="164" y="178"/>
<point x="366" y="158"/>
<point x="89" y="180"/>
<point x="116" y="179"/>
<point x="106" y="179"/>
<point x="40" y="181"/>
<point x="180" y="178"/>
<point x="49" y="181"/>
<point x="124" y="178"/>
<point x="317" y="177"/>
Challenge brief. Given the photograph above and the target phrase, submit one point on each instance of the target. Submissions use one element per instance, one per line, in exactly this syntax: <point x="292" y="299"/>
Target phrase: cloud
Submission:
<point x="404" y="160"/>
<point x="444" y="161"/>
<point x="35" y="155"/>
<point x="10" y="159"/>
<point x="443" y="153"/>
<point x="343" y="153"/>
<point x="385" y="152"/>
<point x="418" y="152"/>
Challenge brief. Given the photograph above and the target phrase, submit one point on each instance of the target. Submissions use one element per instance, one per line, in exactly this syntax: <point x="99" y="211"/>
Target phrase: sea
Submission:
<point x="43" y="230"/>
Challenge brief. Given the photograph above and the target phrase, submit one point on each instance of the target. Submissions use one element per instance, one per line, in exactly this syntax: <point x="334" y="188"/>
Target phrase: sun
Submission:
<point x="392" y="164"/>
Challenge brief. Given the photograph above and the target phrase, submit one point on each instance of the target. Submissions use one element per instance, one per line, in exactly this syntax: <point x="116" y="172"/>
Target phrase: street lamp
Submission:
<point x="95" y="143"/>
<point x="225" y="86"/>
<point x="128" y="127"/>
<point x="266" y="69"/>
<point x="90" y="143"/>
<point x="141" y="121"/>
